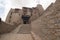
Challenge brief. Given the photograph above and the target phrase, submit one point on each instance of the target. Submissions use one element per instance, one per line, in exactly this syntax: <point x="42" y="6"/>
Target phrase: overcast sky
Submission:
<point x="5" y="5"/>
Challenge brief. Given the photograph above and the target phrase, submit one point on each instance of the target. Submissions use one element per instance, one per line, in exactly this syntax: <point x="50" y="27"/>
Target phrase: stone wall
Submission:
<point x="6" y="28"/>
<point x="14" y="16"/>
<point x="48" y="25"/>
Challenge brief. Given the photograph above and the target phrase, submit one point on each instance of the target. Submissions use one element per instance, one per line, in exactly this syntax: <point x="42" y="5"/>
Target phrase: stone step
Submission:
<point x="25" y="29"/>
<point x="17" y="29"/>
<point x="16" y="37"/>
<point x="35" y="37"/>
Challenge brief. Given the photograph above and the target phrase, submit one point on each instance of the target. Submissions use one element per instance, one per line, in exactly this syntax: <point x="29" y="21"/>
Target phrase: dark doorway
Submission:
<point x="25" y="19"/>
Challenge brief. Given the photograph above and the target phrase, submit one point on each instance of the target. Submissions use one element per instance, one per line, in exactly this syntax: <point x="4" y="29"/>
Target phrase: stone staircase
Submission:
<point x="25" y="29"/>
<point x="11" y="36"/>
<point x="22" y="32"/>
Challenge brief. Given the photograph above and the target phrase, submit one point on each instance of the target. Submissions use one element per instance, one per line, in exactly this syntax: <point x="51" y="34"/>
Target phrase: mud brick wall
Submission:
<point x="47" y="26"/>
<point x="6" y="28"/>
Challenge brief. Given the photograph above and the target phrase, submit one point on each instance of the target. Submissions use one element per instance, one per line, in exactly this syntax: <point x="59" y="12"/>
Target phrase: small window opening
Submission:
<point x="9" y="21"/>
<point x="10" y="17"/>
<point x="19" y="14"/>
<point x="16" y="10"/>
<point x="11" y="13"/>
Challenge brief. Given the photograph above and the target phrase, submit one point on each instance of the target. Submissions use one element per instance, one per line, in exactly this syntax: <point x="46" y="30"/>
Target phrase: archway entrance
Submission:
<point x="25" y="19"/>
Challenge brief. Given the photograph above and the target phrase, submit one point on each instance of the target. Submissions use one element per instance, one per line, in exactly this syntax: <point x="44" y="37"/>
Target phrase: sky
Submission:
<point x="6" y="5"/>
